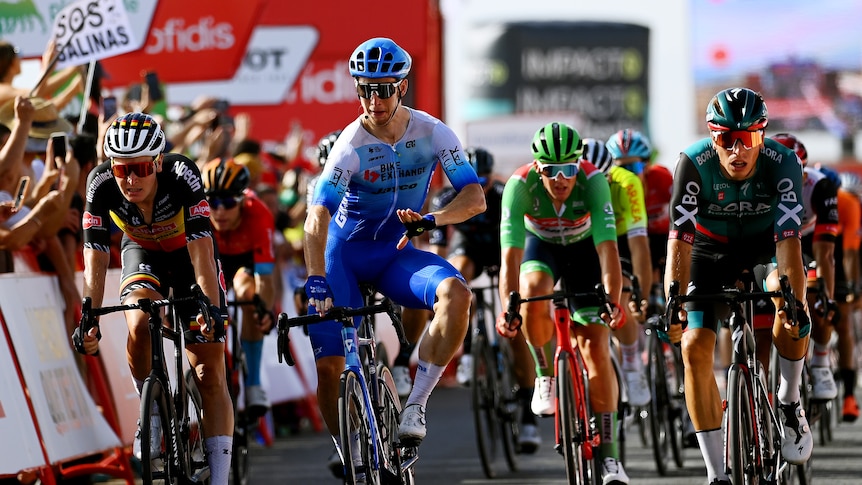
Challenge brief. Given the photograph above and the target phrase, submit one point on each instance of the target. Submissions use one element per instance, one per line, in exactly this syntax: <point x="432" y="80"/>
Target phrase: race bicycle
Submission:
<point x="494" y="391"/>
<point x="176" y="407"/>
<point x="577" y="437"/>
<point x="753" y="430"/>
<point x="237" y="368"/>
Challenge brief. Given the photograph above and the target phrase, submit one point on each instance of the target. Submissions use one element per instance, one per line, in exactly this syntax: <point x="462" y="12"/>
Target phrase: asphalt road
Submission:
<point x="448" y="455"/>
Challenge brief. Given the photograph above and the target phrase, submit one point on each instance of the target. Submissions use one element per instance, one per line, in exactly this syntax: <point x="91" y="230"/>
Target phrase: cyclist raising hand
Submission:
<point x="558" y="224"/>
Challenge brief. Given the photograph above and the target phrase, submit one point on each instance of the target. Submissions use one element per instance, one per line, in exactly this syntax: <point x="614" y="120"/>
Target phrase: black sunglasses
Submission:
<point x="383" y="90"/>
<point x="227" y="202"/>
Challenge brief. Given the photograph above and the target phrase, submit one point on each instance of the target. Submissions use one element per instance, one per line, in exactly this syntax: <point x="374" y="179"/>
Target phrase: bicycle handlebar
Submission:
<point x="731" y="295"/>
<point x="515" y="299"/>
<point x="340" y="314"/>
<point x="260" y="308"/>
<point x="146" y="305"/>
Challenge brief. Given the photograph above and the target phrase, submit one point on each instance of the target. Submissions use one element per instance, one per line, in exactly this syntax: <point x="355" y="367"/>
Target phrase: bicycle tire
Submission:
<point x="660" y="411"/>
<point x="388" y="412"/>
<point x="161" y="468"/>
<point x="508" y="405"/>
<point x="192" y="433"/>
<point x="569" y="424"/>
<point x="623" y="409"/>
<point x="482" y="397"/>
<point x="679" y="412"/>
<point x="740" y="427"/>
<point x="354" y="420"/>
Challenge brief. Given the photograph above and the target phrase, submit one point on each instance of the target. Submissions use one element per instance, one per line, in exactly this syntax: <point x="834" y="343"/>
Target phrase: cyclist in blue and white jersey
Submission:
<point x="373" y="186"/>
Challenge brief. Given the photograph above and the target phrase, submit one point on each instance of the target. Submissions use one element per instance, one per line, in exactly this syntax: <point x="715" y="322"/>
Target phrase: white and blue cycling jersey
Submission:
<point x="362" y="185"/>
<point x="365" y="180"/>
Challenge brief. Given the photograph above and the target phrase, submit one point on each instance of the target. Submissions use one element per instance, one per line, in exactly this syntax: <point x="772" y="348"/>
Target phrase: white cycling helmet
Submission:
<point x="134" y="135"/>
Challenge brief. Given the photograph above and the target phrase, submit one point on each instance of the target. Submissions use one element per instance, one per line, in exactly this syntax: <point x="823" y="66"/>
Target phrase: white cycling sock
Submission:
<point x="427" y="376"/>
<point x="631" y="357"/>
<point x="791" y="377"/>
<point x="219" y="450"/>
<point x="139" y="386"/>
<point x="712" y="447"/>
<point x="820" y="357"/>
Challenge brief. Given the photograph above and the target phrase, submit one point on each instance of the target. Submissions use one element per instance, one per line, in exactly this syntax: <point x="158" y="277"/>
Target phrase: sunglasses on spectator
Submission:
<point x="383" y="90"/>
<point x="727" y="139"/>
<point x="552" y="170"/>
<point x="140" y="169"/>
<point x="227" y="202"/>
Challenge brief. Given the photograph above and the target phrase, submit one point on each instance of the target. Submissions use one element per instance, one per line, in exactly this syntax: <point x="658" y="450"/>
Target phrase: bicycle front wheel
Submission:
<point x="192" y="433"/>
<point x="354" y="428"/>
<point x="741" y="428"/>
<point x="660" y="405"/>
<point x="388" y="412"/>
<point x="570" y="428"/>
<point x="484" y="403"/>
<point x="159" y="463"/>
<point x="508" y="405"/>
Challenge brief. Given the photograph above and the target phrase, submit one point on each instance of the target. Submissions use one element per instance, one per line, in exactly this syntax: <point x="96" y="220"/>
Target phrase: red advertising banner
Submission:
<point x="194" y="40"/>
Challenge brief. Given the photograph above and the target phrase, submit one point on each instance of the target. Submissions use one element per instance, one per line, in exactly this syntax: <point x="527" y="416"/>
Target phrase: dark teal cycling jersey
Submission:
<point x="725" y="210"/>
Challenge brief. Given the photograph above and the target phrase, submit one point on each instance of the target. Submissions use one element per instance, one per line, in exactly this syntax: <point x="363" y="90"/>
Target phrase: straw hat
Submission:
<point x="46" y="119"/>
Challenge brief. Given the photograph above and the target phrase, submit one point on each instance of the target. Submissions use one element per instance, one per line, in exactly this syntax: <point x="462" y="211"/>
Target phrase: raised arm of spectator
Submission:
<point x="13" y="151"/>
<point x="31" y="225"/>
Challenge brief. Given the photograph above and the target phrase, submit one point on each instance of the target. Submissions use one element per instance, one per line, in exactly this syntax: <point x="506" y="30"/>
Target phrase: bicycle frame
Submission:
<point x="581" y="433"/>
<point x="177" y="411"/>
<point x="354" y="365"/>
<point x="767" y="456"/>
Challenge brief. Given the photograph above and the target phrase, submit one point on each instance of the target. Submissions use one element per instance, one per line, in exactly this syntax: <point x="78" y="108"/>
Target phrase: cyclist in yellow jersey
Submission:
<point x="627" y="196"/>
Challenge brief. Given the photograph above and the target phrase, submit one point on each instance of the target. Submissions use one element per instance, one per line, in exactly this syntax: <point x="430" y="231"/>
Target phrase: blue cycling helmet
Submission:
<point x="832" y="175"/>
<point x="380" y="58"/>
<point x="629" y="143"/>
<point x="597" y="153"/>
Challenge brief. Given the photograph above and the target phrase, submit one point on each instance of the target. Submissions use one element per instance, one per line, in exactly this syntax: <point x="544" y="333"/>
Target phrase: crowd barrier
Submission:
<point x="51" y="424"/>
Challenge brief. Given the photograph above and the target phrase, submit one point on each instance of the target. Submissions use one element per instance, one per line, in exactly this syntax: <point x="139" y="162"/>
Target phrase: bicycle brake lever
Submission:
<point x="397" y="323"/>
<point x="202" y="300"/>
<point x="283" y="342"/>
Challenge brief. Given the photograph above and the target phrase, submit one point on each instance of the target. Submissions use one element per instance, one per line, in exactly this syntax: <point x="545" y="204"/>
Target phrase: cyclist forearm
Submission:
<point x="316" y="231"/>
<point x="677" y="265"/>
<point x="612" y="276"/>
<point x="641" y="262"/>
<point x="824" y="254"/>
<point x="95" y="270"/>
<point x="202" y="254"/>
<point x="469" y="202"/>
<point x="788" y="254"/>
<point x="510" y="272"/>
<point x="266" y="289"/>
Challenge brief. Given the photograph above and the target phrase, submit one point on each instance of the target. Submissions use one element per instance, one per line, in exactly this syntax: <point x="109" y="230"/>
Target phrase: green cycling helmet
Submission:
<point x="737" y="109"/>
<point x="557" y="143"/>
